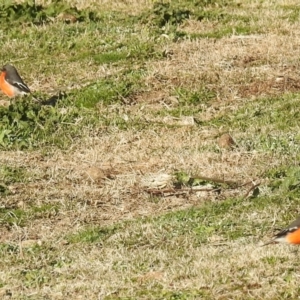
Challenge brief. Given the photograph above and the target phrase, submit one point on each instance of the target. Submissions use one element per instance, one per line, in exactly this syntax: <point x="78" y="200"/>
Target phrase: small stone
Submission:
<point x="31" y="243"/>
<point x="226" y="141"/>
<point x="95" y="173"/>
<point x="21" y="204"/>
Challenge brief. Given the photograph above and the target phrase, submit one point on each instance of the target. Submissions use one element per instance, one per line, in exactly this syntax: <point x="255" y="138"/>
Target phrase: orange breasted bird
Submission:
<point x="289" y="235"/>
<point x="11" y="83"/>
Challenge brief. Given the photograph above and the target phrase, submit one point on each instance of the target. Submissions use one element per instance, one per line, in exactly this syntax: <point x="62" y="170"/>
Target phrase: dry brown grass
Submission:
<point x="231" y="64"/>
<point x="130" y="6"/>
<point x="100" y="180"/>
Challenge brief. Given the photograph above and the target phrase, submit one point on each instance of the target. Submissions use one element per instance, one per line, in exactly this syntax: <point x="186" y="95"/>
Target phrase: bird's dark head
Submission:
<point x="7" y="67"/>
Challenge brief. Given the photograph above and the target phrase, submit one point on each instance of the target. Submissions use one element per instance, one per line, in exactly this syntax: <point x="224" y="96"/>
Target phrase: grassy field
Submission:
<point x="170" y="154"/>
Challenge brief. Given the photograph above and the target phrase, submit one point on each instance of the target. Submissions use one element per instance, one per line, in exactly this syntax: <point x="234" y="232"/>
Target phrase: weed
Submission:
<point x="13" y="217"/>
<point x="30" y="12"/>
<point x="25" y="124"/>
<point x="92" y="234"/>
<point x="10" y="175"/>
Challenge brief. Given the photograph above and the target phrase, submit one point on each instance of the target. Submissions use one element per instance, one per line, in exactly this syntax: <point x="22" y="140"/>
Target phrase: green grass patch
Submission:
<point x="27" y="125"/>
<point x="20" y="217"/>
<point x="273" y="121"/>
<point x="92" y="234"/>
<point x="164" y="17"/>
<point x="4" y="190"/>
<point x="13" y="217"/>
<point x="110" y="57"/>
<point x="195" y="97"/>
<point x="197" y="224"/>
<point x="104" y="41"/>
<point x="10" y="174"/>
<point x="269" y="113"/>
<point x="6" y="248"/>
<point x="30" y="12"/>
<point x="110" y="90"/>
<point x="190" y="102"/>
<point x="172" y="13"/>
<point x="292" y="13"/>
<point x="285" y="180"/>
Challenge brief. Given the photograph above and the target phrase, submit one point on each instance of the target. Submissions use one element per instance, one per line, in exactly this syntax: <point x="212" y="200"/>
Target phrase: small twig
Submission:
<point x="189" y="190"/>
<point x="217" y="180"/>
<point x="246" y="183"/>
<point x="21" y="253"/>
<point x="173" y="192"/>
<point x="253" y="187"/>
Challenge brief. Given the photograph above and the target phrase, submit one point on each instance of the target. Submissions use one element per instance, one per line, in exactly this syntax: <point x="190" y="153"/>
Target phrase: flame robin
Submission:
<point x="11" y="83"/>
<point x="289" y="235"/>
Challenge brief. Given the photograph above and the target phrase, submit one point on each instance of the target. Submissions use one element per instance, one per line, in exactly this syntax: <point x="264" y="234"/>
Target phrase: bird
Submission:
<point x="289" y="235"/>
<point x="11" y="82"/>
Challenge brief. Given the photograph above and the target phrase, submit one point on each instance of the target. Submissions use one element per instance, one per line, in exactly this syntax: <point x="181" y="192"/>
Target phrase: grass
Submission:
<point x="100" y="181"/>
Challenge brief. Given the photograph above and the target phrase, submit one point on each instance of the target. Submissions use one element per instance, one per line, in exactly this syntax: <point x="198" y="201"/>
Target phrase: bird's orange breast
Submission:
<point x="294" y="237"/>
<point x="6" y="87"/>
